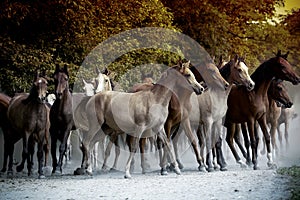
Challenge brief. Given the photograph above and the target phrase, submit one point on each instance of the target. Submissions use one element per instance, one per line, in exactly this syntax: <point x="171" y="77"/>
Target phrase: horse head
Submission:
<point x="184" y="69"/>
<point x="239" y="73"/>
<point x="102" y="81"/>
<point x="88" y="88"/>
<point x="279" y="93"/>
<point x="39" y="87"/>
<point x="61" y="79"/>
<point x="283" y="70"/>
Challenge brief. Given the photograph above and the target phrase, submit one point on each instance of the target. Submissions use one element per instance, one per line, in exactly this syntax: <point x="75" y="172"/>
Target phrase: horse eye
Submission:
<point x="187" y="75"/>
<point x="240" y="70"/>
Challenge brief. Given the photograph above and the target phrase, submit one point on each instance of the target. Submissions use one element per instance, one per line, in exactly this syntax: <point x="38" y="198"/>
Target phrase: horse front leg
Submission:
<point x="168" y="151"/>
<point x="175" y="141"/>
<point x="229" y="139"/>
<point x="63" y="147"/>
<point x="263" y="126"/>
<point x="188" y="131"/>
<point x="107" y="154"/>
<point x="117" y="154"/>
<point x="275" y="149"/>
<point x="53" y="152"/>
<point x="40" y="157"/>
<point x="246" y="143"/>
<point x="133" y="145"/>
<point x="208" y="138"/>
<point x="251" y="129"/>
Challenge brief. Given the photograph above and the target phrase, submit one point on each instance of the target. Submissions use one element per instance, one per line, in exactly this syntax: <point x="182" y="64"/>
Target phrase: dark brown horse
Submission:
<point x="9" y="141"/>
<point x="61" y="116"/>
<point x="29" y="117"/>
<point x="250" y="106"/>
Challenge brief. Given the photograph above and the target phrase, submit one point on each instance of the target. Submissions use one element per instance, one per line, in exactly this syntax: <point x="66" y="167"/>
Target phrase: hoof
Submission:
<point x="242" y="164"/>
<point x="223" y="169"/>
<point x="255" y="167"/>
<point x="249" y="163"/>
<point x="180" y="165"/>
<point x="9" y="174"/>
<point x="163" y="172"/>
<point x="42" y="176"/>
<point x="20" y="168"/>
<point x="127" y="176"/>
<point x="272" y="166"/>
<point x="216" y="168"/>
<point x="113" y="170"/>
<point x="202" y="169"/>
<point x="177" y="171"/>
<point x="210" y="169"/>
<point x="80" y="171"/>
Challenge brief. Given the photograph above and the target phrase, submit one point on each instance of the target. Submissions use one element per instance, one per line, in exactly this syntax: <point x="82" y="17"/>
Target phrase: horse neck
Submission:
<point x="262" y="78"/>
<point x="225" y="71"/>
<point x="162" y="94"/>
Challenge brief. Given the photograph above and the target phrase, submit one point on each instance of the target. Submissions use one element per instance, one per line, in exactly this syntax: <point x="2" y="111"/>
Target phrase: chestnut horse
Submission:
<point x="250" y="106"/>
<point x="29" y="117"/>
<point x="135" y="113"/>
<point x="277" y="96"/>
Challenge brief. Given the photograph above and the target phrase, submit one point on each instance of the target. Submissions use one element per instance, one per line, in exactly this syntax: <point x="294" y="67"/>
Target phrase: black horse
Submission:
<point x="61" y="116"/>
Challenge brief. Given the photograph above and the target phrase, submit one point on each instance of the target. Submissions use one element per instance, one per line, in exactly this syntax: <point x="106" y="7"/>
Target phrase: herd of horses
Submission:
<point x="181" y="101"/>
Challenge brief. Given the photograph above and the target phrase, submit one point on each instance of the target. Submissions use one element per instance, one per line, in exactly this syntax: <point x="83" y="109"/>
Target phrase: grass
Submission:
<point x="294" y="182"/>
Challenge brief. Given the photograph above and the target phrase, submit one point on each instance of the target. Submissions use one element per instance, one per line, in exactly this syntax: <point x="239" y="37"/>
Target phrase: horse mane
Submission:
<point x="32" y="95"/>
<point x="226" y="69"/>
<point x="263" y="71"/>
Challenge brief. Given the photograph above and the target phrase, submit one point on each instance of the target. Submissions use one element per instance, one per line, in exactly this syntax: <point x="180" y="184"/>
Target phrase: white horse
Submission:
<point x="99" y="84"/>
<point x="211" y="106"/>
<point x="287" y="114"/>
<point x="136" y="113"/>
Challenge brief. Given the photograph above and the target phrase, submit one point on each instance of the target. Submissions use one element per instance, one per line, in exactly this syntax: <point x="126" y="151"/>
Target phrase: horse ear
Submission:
<point x="286" y="55"/>
<point x="97" y="70"/>
<point x="84" y="82"/>
<point x="37" y="75"/>
<point x="236" y="58"/>
<point x="278" y="53"/>
<point x="57" y="68"/>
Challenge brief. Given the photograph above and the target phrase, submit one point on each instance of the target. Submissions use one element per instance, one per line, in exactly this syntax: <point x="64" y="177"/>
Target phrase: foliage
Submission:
<point x="294" y="181"/>
<point x="42" y="33"/>
<point x="39" y="34"/>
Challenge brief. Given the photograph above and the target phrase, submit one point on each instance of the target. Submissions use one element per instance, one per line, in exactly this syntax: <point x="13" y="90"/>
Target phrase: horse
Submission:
<point x="277" y="96"/>
<point x="180" y="107"/>
<point x="210" y="108"/>
<point x="286" y="115"/>
<point x="250" y="106"/>
<point x="9" y="137"/>
<point x="135" y="113"/>
<point x="61" y="116"/>
<point x="99" y="84"/>
<point x="29" y="116"/>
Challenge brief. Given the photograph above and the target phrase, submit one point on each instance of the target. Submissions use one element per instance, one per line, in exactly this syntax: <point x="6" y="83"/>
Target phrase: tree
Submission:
<point x="41" y="33"/>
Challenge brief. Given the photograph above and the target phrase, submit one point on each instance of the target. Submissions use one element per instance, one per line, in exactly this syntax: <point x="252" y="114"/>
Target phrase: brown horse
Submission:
<point x="29" y="116"/>
<point x="250" y="106"/>
<point x="9" y="141"/>
<point x="61" y="116"/>
<point x="277" y="96"/>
